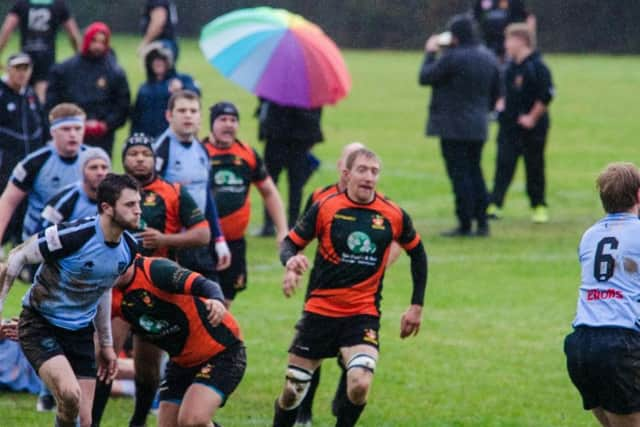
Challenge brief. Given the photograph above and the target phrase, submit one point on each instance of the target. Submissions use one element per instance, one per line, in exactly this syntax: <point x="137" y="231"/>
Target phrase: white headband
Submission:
<point x="73" y="120"/>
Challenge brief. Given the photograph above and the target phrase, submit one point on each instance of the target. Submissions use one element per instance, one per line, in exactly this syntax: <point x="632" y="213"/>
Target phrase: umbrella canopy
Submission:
<point x="278" y="56"/>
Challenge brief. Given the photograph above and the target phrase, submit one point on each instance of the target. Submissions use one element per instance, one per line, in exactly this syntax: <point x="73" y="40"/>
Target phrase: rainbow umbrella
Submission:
<point x="277" y="55"/>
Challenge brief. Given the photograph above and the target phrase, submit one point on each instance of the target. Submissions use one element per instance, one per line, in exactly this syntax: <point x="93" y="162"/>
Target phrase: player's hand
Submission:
<point x="216" y="310"/>
<point x="151" y="238"/>
<point x="410" y="322"/>
<point x="431" y="45"/>
<point x="290" y="282"/>
<point x="298" y="263"/>
<point x="224" y="255"/>
<point x="526" y="121"/>
<point x="9" y="329"/>
<point x="107" y="364"/>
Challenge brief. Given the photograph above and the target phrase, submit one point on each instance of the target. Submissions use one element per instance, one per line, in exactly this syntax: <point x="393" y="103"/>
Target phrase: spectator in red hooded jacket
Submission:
<point x="93" y="80"/>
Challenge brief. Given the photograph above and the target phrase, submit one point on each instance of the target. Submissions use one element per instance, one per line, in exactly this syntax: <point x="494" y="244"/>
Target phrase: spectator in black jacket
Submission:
<point x="289" y="132"/>
<point x="93" y="80"/>
<point x="465" y="80"/>
<point x="524" y="123"/>
<point x="23" y="127"/>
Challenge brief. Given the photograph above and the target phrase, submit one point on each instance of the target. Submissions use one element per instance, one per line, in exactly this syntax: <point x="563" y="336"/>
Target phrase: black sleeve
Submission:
<point x="260" y="172"/>
<point x="60" y="207"/>
<point x="287" y="250"/>
<point x="496" y="88"/>
<point x="408" y="233"/>
<point x="20" y="8"/>
<point x="544" y="84"/>
<point x="26" y="172"/>
<point x="161" y="149"/>
<point x="308" y="204"/>
<point x="61" y="240"/>
<point x="419" y="273"/>
<point x="305" y="227"/>
<point x="203" y="287"/>
<point x="435" y="70"/>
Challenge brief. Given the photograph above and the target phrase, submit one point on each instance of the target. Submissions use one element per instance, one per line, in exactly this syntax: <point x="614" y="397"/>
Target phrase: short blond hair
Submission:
<point x="523" y="32"/>
<point x="618" y="185"/>
<point x="66" y="109"/>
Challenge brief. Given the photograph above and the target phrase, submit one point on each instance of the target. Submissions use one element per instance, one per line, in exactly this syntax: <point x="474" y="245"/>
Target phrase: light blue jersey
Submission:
<point x="79" y="266"/>
<point x="42" y="174"/>
<point x="610" y="259"/>
<point x="71" y="203"/>
<point x="184" y="163"/>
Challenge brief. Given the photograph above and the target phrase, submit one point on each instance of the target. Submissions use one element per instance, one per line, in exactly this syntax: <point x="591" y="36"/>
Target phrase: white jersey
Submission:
<point x="610" y="280"/>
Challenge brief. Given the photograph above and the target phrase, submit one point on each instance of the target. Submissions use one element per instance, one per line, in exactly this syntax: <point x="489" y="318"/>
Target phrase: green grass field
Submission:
<point x="490" y="349"/>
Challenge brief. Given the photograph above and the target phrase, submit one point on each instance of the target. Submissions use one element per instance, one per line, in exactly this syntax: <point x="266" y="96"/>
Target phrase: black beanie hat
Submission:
<point x="137" y="138"/>
<point x="462" y="27"/>
<point x="222" y="108"/>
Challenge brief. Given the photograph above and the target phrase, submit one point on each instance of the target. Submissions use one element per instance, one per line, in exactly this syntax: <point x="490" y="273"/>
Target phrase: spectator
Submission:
<point x="159" y="20"/>
<point x="103" y="90"/>
<point x="289" y="132"/>
<point x="39" y="22"/>
<point x="16" y="374"/>
<point x="524" y="123"/>
<point x="148" y="114"/>
<point x="494" y="16"/>
<point x="466" y="85"/>
<point x="22" y="127"/>
<point x="45" y="171"/>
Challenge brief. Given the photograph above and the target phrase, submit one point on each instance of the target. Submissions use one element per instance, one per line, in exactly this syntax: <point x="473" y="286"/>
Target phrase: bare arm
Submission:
<point x="8" y="26"/>
<point x="157" y="21"/>
<point x="192" y="237"/>
<point x="9" y="201"/>
<point x="71" y="26"/>
<point x="26" y="253"/>
<point x="274" y="205"/>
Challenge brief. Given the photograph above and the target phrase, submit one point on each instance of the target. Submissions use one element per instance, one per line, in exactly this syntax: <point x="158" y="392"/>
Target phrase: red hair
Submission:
<point x="90" y="33"/>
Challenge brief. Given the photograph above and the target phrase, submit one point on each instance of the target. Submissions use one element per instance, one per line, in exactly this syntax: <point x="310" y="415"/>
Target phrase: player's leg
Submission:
<point x="168" y="414"/>
<point x="120" y="330"/>
<point x="360" y="362"/>
<point x="457" y="165"/>
<point x="298" y="170"/>
<point x="296" y="385"/>
<point x="146" y="358"/>
<point x="479" y="193"/>
<point x="615" y="420"/>
<point x="198" y="407"/>
<point x="57" y="374"/>
<point x="305" y="411"/>
<point x="275" y="153"/>
<point x="533" y="151"/>
<point x="87" y="390"/>
<point x="234" y="278"/>
<point x="509" y="149"/>
<point x="601" y="416"/>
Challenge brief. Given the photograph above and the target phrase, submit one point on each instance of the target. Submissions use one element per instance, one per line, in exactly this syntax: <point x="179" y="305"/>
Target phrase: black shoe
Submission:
<point x="266" y="231"/>
<point x="303" y="419"/>
<point x="483" y="231"/>
<point x="457" y="232"/>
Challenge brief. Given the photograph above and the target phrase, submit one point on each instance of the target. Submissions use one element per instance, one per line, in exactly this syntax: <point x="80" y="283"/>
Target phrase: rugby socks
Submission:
<point x="341" y="392"/>
<point x="144" y="399"/>
<point x="306" y="406"/>
<point x="100" y="398"/>
<point x="348" y="413"/>
<point x="61" y="423"/>
<point x="283" y="418"/>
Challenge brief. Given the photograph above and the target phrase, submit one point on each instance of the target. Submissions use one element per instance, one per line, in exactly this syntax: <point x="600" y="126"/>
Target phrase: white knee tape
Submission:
<point x="362" y="360"/>
<point x="298" y="381"/>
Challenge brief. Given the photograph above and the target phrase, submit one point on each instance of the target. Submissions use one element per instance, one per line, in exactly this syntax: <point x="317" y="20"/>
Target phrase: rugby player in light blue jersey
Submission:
<point x="46" y="171"/>
<point x="182" y="159"/>
<point x="71" y="294"/>
<point x="603" y="351"/>
<point x="79" y="200"/>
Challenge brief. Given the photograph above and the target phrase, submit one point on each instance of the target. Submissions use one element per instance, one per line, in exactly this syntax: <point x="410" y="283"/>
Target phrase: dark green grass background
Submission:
<point x="490" y="349"/>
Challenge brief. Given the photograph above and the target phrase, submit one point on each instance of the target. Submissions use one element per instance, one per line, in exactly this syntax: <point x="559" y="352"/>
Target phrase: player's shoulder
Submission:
<point x="67" y="192"/>
<point x="384" y="202"/>
<point x="39" y="155"/>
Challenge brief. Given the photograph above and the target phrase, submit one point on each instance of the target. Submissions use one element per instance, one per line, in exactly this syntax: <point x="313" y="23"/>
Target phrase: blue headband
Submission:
<point x="73" y="120"/>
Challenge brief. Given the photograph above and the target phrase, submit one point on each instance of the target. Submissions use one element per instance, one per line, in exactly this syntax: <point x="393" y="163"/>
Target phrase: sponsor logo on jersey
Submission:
<point x="360" y="243"/>
<point x="226" y="177"/>
<point x="151" y="325"/>
<point x="602" y="294"/>
<point x="345" y="217"/>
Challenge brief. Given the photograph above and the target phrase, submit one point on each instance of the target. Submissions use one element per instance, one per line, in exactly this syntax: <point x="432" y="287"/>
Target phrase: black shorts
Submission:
<point x="41" y="341"/>
<point x="234" y="278"/>
<point x="200" y="259"/>
<point x="222" y="373"/>
<point x="604" y="365"/>
<point x="320" y="337"/>
<point x="42" y="63"/>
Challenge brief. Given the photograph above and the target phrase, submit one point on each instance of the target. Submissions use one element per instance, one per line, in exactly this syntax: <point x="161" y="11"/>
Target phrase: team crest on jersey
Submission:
<point x="101" y="83"/>
<point x="377" y="222"/>
<point x="518" y="81"/>
<point x="205" y="371"/>
<point x="150" y="199"/>
<point x="237" y="161"/>
<point x="360" y="243"/>
<point x="146" y="299"/>
<point x="370" y="336"/>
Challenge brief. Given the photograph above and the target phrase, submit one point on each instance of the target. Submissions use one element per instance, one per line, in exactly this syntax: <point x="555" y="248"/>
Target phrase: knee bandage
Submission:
<point x="298" y="381"/>
<point x="362" y="360"/>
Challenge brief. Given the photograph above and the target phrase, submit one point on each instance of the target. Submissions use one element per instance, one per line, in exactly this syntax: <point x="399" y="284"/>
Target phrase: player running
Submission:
<point x="341" y="314"/>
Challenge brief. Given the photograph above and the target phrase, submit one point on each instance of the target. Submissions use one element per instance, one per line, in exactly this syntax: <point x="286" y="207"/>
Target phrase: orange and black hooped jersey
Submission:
<point x="320" y="194"/>
<point x="162" y="307"/>
<point x="168" y="208"/>
<point x="233" y="170"/>
<point x="353" y="248"/>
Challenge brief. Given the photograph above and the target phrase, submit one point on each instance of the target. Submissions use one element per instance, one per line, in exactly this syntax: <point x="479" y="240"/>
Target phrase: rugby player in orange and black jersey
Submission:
<point x="234" y="167"/>
<point x="341" y="314"/>
<point x="183" y="313"/>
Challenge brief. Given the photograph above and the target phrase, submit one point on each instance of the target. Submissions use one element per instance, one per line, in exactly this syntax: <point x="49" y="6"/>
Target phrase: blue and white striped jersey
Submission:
<point x="184" y="163"/>
<point x="79" y="266"/>
<point x="42" y="174"/>
<point x="610" y="286"/>
<point x="69" y="204"/>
